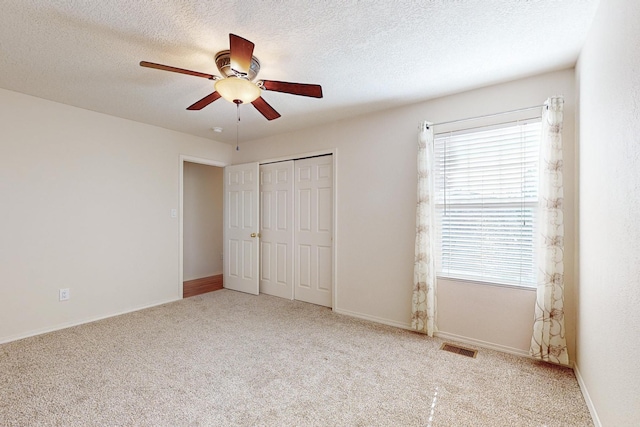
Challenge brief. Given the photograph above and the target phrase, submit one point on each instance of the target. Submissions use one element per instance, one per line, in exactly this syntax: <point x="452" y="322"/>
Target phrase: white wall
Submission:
<point x="376" y="190"/>
<point x="86" y="203"/>
<point x="609" y="292"/>
<point x="202" y="216"/>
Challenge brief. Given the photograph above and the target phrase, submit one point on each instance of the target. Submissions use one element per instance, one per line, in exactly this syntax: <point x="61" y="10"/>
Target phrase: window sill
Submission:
<point x="476" y="282"/>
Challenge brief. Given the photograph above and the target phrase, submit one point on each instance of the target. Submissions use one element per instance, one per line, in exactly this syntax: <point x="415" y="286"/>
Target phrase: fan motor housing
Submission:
<point x="223" y="62"/>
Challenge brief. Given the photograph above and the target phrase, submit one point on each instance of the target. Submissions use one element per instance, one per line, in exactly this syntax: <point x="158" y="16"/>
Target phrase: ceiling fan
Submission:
<point x="239" y="69"/>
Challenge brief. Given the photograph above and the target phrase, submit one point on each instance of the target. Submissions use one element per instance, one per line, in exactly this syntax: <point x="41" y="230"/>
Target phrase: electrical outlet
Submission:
<point x="64" y="294"/>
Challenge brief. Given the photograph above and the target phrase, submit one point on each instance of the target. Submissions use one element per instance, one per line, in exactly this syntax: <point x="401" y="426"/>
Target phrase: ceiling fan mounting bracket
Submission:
<point x="223" y="62"/>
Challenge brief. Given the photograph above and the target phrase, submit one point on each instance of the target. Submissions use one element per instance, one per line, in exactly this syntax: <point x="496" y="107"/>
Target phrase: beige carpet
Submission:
<point x="231" y="359"/>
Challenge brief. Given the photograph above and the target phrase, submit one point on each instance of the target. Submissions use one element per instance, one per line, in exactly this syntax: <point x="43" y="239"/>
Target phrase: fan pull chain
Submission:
<point x="237" y="125"/>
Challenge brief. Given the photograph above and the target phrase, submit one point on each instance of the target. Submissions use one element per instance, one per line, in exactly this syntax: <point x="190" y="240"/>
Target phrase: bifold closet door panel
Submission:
<point x="313" y="223"/>
<point x="276" y="229"/>
<point x="241" y="228"/>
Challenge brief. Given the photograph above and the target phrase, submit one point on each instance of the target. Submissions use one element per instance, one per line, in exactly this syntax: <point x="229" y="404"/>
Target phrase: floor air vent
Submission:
<point x="459" y="350"/>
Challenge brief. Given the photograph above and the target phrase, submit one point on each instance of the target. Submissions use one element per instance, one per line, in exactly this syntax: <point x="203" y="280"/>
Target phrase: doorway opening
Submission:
<point x="201" y="235"/>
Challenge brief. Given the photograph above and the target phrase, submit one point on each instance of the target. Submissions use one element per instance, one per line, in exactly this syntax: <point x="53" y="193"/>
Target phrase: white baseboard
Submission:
<point x="480" y="343"/>
<point x="587" y="398"/>
<point x="41" y="331"/>
<point x="373" y="318"/>
<point x="444" y="335"/>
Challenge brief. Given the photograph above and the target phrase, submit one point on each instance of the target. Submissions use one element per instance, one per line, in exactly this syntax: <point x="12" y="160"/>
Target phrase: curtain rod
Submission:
<point x="486" y="115"/>
<point x="526" y="119"/>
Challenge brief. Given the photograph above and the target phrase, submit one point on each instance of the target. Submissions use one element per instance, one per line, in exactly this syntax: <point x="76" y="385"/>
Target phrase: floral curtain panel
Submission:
<point x="423" y="311"/>
<point x="548" y="342"/>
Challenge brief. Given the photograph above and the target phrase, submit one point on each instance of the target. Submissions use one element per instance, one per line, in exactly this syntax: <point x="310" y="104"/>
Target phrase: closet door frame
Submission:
<point x="334" y="153"/>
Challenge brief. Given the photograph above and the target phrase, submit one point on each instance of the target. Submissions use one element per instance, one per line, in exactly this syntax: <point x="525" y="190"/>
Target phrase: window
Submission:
<point x="486" y="200"/>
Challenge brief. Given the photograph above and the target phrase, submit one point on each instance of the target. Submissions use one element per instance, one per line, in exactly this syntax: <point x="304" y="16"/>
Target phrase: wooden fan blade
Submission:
<point x="303" y="89"/>
<point x="176" y="70"/>
<point x="199" y="105"/>
<point x="241" y="53"/>
<point x="265" y="109"/>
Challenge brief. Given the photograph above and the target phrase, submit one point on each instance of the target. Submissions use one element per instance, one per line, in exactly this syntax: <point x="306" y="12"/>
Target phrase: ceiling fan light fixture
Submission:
<point x="235" y="88"/>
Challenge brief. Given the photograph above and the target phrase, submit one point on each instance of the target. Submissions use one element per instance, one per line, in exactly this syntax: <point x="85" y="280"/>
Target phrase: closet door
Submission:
<point x="241" y="228"/>
<point x="314" y="230"/>
<point x="276" y="229"/>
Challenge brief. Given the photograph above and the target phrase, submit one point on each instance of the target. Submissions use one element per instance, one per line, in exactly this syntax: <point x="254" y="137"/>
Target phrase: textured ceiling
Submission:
<point x="367" y="55"/>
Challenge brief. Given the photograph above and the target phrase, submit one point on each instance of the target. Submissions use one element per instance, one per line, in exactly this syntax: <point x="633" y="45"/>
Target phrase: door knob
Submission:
<point x="253" y="234"/>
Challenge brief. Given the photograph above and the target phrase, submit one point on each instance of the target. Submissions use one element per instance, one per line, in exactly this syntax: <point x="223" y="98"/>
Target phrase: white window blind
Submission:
<point x="486" y="198"/>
